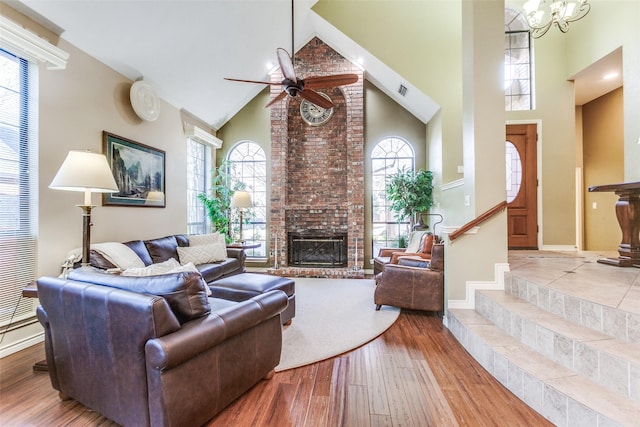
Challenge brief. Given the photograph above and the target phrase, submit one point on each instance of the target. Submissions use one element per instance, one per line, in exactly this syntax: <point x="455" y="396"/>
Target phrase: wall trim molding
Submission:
<point x="472" y="286"/>
<point x="452" y="184"/>
<point x="21" y="344"/>
<point x="26" y="44"/>
<point x="559" y="248"/>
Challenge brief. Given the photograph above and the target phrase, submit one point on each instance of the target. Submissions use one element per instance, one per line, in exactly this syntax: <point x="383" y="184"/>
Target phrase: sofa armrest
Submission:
<point x="199" y="335"/>
<point x="387" y="252"/>
<point x="237" y="253"/>
<point x="396" y="255"/>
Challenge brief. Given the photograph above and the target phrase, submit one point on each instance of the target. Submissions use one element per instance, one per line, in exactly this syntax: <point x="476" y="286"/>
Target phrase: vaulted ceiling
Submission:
<point x="184" y="49"/>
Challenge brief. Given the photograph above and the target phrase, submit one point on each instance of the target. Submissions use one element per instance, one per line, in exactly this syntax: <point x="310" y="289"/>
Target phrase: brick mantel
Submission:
<point x="317" y="172"/>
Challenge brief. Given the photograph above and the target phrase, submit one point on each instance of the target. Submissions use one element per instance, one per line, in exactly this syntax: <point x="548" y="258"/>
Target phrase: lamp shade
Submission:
<point x="84" y="171"/>
<point x="241" y="199"/>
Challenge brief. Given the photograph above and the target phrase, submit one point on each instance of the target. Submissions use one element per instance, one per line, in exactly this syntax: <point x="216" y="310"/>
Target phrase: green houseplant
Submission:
<point x="217" y="203"/>
<point x="410" y="193"/>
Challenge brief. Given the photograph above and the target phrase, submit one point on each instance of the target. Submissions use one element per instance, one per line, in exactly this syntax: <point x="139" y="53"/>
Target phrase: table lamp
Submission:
<point x="90" y="173"/>
<point x="241" y="200"/>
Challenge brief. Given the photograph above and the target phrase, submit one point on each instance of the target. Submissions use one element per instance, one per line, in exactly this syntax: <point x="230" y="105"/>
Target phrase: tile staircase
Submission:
<point x="572" y="359"/>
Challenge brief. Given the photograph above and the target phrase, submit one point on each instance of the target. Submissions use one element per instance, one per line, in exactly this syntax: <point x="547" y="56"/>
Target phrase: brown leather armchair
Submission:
<point x="165" y="355"/>
<point x="391" y="255"/>
<point x="412" y="287"/>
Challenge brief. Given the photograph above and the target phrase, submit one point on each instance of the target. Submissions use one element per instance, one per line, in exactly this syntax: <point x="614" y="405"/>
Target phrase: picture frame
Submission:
<point x="139" y="171"/>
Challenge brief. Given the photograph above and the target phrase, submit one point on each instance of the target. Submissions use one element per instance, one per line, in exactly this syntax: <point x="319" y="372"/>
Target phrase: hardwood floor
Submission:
<point x="415" y="374"/>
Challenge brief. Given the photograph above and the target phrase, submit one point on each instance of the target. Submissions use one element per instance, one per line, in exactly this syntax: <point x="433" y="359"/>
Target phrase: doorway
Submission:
<point x="522" y="186"/>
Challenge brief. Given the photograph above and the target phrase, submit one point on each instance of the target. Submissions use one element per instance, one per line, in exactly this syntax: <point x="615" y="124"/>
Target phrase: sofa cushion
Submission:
<point x="162" y="249"/>
<point x="185" y="292"/>
<point x="214" y="271"/>
<point x="414" y="262"/>
<point x="203" y="254"/>
<point x="140" y="249"/>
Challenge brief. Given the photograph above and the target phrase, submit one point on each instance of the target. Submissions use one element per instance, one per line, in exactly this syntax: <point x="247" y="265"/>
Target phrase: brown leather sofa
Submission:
<point x="155" y="351"/>
<point x="158" y="250"/>
<point x="413" y="283"/>
<point x="226" y="279"/>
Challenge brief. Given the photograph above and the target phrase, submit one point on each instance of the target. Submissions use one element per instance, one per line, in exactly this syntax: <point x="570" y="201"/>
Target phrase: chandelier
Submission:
<point x="542" y="14"/>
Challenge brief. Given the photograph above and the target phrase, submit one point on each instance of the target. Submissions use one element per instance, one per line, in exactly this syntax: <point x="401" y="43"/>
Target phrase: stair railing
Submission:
<point x="478" y="220"/>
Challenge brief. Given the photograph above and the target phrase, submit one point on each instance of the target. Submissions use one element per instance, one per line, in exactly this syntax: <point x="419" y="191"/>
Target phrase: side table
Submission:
<point x="243" y="245"/>
<point x="31" y="291"/>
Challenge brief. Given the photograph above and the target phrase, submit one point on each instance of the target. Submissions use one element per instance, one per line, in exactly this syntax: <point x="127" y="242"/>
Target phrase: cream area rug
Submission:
<point x="333" y="316"/>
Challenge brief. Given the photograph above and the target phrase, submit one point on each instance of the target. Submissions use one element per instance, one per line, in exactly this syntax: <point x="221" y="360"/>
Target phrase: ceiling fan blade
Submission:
<point x="321" y="82"/>
<point x="286" y="65"/>
<point x="316" y="98"/>
<point x="280" y="96"/>
<point x="252" y="81"/>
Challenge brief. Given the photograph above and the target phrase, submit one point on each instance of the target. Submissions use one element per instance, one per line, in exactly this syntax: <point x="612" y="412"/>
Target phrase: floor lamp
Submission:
<point x="241" y="200"/>
<point x="90" y="173"/>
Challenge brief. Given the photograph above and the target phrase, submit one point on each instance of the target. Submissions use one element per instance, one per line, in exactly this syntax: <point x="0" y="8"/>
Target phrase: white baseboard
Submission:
<point x="470" y="300"/>
<point x="21" y="344"/>
<point x="559" y="248"/>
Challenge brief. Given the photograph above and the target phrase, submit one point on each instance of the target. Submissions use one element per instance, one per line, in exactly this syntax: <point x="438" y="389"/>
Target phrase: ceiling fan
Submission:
<point x="306" y="88"/>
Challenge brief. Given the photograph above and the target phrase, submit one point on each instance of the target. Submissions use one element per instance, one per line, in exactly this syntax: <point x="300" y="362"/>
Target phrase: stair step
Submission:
<point x="620" y="324"/>
<point x="555" y="391"/>
<point x="610" y="362"/>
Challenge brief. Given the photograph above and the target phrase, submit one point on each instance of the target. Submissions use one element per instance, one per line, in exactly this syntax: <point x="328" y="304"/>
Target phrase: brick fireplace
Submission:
<point x="317" y="172"/>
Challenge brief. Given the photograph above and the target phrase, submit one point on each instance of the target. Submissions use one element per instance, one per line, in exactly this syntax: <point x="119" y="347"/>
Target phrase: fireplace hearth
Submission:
<point x="318" y="250"/>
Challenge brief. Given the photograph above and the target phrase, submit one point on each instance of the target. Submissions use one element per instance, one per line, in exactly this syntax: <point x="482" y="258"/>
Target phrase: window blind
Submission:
<point x="18" y="187"/>
<point x="198" y="177"/>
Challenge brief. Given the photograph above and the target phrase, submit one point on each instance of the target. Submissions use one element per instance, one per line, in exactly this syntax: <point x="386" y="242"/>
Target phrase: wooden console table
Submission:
<point x="628" y="214"/>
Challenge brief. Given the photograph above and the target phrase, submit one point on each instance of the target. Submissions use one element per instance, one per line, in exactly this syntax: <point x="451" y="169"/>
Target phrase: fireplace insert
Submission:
<point x="318" y="250"/>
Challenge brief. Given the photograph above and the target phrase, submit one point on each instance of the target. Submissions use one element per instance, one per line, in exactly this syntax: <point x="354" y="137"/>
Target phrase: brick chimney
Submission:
<point x="317" y="175"/>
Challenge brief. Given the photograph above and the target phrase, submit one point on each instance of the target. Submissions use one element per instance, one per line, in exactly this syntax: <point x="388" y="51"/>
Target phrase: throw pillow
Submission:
<point x="153" y="269"/>
<point x="206" y="239"/>
<point x="202" y="254"/>
<point x="118" y="254"/>
<point x="185" y="292"/>
<point x="427" y="244"/>
<point x="414" y="241"/>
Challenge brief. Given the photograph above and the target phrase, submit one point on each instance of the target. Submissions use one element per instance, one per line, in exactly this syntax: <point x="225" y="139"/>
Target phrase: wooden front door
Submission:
<point x="522" y="183"/>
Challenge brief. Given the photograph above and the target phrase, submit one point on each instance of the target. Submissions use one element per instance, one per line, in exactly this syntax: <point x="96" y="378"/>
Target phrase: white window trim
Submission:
<point x="202" y="136"/>
<point x="28" y="45"/>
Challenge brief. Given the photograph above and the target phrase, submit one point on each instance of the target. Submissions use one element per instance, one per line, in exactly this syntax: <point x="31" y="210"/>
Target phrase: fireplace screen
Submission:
<point x="317" y="250"/>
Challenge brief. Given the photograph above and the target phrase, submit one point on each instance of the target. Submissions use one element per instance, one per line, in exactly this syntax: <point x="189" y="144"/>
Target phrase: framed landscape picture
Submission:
<point x="139" y="171"/>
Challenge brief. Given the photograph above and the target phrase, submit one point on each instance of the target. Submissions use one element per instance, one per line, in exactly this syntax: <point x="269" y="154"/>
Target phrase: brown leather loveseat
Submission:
<point x="155" y="351"/>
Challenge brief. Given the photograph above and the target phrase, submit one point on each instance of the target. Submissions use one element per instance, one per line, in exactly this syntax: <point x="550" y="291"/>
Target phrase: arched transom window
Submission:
<point x="248" y="167"/>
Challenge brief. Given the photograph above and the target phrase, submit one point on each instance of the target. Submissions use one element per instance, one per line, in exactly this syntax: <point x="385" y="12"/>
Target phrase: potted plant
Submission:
<point x="217" y="203"/>
<point x="410" y="193"/>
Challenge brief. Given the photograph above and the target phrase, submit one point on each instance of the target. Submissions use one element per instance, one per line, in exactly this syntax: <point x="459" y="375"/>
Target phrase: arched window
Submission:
<point x="248" y="168"/>
<point x="518" y="62"/>
<point x="388" y="157"/>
